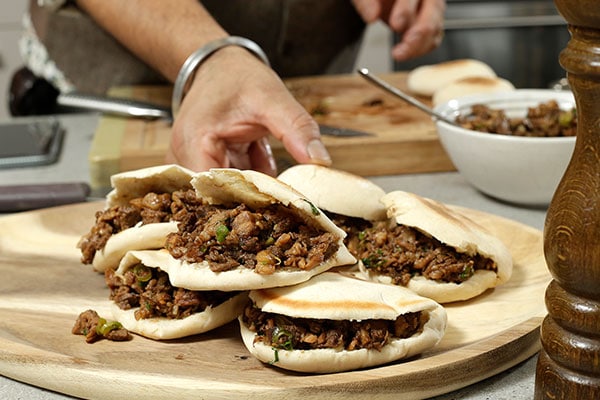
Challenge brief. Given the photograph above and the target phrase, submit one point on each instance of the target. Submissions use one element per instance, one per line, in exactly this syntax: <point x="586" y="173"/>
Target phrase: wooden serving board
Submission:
<point x="44" y="288"/>
<point x="404" y="138"/>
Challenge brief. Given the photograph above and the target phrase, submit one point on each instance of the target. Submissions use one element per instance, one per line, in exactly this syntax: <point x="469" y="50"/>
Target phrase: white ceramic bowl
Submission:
<point x="522" y="170"/>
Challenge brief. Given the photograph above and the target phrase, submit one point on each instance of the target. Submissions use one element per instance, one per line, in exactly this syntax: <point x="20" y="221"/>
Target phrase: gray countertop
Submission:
<point x="450" y="187"/>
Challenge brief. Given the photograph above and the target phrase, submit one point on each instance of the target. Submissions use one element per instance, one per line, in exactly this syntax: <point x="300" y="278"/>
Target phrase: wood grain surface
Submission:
<point x="403" y="140"/>
<point x="44" y="287"/>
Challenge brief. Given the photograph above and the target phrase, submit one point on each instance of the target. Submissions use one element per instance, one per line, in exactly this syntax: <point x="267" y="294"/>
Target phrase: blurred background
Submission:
<point x="521" y="40"/>
<point x="10" y="60"/>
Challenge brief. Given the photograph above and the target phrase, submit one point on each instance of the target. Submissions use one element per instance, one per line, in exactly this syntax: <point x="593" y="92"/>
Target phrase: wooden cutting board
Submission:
<point x="44" y="287"/>
<point x="404" y="138"/>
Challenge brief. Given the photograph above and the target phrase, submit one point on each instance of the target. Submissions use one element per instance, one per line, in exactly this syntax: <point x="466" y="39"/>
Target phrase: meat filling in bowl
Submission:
<point x="402" y="252"/>
<point x="286" y="333"/>
<point x="150" y="290"/>
<point x="545" y="120"/>
<point x="227" y="237"/>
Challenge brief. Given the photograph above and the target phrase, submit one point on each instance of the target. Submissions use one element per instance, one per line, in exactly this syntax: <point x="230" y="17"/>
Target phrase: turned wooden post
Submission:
<point x="569" y="362"/>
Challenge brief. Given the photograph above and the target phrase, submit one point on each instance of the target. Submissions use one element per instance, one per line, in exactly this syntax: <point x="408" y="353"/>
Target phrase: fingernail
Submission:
<point x="317" y="152"/>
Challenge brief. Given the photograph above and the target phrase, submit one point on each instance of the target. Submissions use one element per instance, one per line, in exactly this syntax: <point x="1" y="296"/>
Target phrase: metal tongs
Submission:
<point x="398" y="93"/>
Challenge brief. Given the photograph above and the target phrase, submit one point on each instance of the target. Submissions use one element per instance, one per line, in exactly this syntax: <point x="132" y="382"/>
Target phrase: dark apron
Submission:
<point x="300" y="37"/>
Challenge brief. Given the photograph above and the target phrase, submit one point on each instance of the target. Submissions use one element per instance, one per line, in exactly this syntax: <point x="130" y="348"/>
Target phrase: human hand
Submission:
<point x="233" y="104"/>
<point x="421" y="23"/>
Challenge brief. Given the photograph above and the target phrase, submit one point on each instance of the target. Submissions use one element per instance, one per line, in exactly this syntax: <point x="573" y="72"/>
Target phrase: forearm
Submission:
<point x="161" y="33"/>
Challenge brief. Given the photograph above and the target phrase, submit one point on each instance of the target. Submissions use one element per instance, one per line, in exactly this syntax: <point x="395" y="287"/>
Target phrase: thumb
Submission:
<point x="299" y="133"/>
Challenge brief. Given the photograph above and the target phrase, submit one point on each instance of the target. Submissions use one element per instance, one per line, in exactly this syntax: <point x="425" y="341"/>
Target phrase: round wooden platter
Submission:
<point x="44" y="287"/>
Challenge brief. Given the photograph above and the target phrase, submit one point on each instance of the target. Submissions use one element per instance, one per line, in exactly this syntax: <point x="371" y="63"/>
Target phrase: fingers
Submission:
<point x="225" y="122"/>
<point x="299" y="133"/>
<point x="422" y="34"/>
<point x="369" y="10"/>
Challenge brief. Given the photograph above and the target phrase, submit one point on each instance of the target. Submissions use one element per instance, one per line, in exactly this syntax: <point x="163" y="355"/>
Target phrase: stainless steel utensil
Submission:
<point x="112" y="105"/>
<point x="341" y="132"/>
<point x="398" y="93"/>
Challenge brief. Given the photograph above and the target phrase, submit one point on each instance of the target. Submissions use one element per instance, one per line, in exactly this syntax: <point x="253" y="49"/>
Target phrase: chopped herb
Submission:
<point x="275" y="356"/>
<point x="142" y="273"/>
<point x="466" y="273"/>
<point x="313" y="209"/>
<point x="221" y="232"/>
<point x="282" y="339"/>
<point x="362" y="235"/>
<point x="104" y="326"/>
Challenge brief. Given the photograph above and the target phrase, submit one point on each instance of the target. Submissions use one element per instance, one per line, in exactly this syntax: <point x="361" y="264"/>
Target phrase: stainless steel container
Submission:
<point x="520" y="40"/>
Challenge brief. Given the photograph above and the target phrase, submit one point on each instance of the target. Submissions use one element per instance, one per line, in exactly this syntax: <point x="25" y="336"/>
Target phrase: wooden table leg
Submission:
<point x="569" y="363"/>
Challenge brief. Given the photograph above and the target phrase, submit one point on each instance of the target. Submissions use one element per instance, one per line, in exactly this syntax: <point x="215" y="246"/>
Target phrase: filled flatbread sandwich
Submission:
<point x="147" y="303"/>
<point x="252" y="231"/>
<point x="139" y="213"/>
<point x="335" y="322"/>
<point x="417" y="243"/>
<point x="433" y="250"/>
<point x="227" y="229"/>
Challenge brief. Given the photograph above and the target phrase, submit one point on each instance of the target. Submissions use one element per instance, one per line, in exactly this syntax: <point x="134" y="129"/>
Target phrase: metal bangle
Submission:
<point x="192" y="63"/>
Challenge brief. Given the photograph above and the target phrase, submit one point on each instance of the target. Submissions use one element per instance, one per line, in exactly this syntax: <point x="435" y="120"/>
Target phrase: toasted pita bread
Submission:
<point x="427" y="79"/>
<point x="337" y="191"/>
<point x="161" y="179"/>
<point x="164" y="328"/>
<point x="471" y="85"/>
<point x="232" y="186"/>
<point x="333" y="296"/>
<point x="453" y="229"/>
<point x="128" y="186"/>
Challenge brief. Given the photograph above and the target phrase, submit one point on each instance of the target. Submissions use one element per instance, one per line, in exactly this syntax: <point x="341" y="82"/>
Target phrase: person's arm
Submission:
<point x="234" y="101"/>
<point x="161" y="33"/>
<point x="420" y="23"/>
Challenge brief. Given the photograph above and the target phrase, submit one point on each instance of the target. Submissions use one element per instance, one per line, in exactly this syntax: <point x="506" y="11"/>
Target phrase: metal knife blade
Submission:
<point x="111" y="105"/>
<point x="328" y="130"/>
<point x="134" y="108"/>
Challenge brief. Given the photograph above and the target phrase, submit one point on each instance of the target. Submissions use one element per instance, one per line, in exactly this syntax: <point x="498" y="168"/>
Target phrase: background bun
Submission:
<point x="427" y="79"/>
<point x="471" y="85"/>
<point x="337" y="191"/>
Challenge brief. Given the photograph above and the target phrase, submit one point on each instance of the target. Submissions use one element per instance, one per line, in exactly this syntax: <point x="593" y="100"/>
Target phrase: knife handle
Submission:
<point x="15" y="198"/>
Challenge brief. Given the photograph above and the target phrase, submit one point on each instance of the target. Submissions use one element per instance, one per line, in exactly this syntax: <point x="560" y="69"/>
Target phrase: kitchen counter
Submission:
<point x="448" y="187"/>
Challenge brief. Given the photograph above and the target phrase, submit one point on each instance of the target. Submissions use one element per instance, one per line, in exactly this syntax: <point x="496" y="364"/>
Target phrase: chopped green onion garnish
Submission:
<point x="313" y="209"/>
<point x="104" y="326"/>
<point x="221" y="232"/>
<point x="278" y="334"/>
<point x="142" y="273"/>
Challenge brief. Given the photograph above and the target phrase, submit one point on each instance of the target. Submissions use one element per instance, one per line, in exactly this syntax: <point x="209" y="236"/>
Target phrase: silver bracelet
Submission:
<point x="192" y="63"/>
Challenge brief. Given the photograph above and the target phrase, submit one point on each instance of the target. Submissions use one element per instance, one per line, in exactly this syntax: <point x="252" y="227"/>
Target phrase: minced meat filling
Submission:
<point x="93" y="327"/>
<point x="151" y="208"/>
<point x="544" y="120"/>
<point x="150" y="290"/>
<point x="402" y="252"/>
<point x="265" y="239"/>
<point x="286" y="333"/>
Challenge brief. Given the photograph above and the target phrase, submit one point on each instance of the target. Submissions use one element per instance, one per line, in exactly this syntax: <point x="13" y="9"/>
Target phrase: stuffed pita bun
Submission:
<point x="252" y="231"/>
<point x="350" y="201"/>
<point x="335" y="323"/>
<point x="137" y="215"/>
<point x="147" y="303"/>
<point x="471" y="85"/>
<point x="427" y="79"/>
<point x="409" y="246"/>
<point x="337" y="191"/>
<point x="435" y="251"/>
